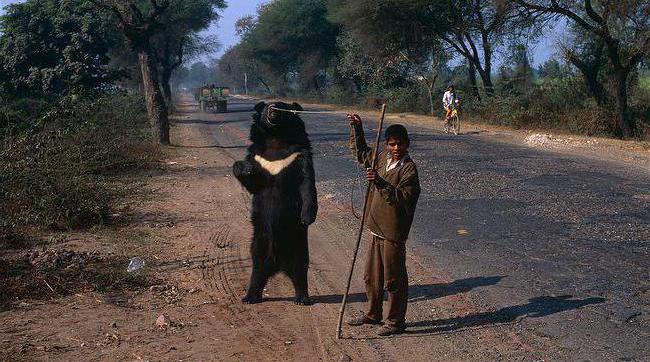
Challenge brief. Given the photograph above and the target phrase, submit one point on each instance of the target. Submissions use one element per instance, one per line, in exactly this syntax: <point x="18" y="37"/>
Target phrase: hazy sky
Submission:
<point x="225" y="28"/>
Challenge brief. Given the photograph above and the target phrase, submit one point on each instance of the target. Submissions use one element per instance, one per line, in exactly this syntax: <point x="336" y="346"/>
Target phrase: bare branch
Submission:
<point x="592" y="13"/>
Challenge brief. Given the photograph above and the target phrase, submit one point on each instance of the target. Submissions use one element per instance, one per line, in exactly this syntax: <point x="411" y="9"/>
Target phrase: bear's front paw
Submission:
<point x="242" y="168"/>
<point x="307" y="219"/>
<point x="251" y="299"/>
<point x="303" y="300"/>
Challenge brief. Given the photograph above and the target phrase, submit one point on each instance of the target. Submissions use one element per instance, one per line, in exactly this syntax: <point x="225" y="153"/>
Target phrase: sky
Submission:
<point x="225" y="29"/>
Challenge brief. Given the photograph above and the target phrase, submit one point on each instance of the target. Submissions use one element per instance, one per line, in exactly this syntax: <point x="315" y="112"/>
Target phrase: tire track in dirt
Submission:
<point x="224" y="279"/>
<point x="228" y="136"/>
<point x="225" y="287"/>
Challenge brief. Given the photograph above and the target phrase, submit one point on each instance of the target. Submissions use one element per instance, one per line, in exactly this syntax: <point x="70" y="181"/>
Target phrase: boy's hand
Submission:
<point x="354" y="119"/>
<point x="371" y="175"/>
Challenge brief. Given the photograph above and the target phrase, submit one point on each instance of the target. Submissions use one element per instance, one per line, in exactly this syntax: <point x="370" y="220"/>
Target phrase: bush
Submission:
<point x="59" y="172"/>
<point x="21" y="113"/>
<point x="560" y="104"/>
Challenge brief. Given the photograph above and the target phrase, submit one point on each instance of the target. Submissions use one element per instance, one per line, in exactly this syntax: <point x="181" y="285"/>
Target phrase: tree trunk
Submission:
<point x="317" y="86"/>
<point x="165" y="85"/>
<point x="431" y="100"/>
<point x="486" y="78"/>
<point x="268" y="89"/>
<point x="472" y="79"/>
<point x="624" y="125"/>
<point x="595" y="87"/>
<point x="156" y="107"/>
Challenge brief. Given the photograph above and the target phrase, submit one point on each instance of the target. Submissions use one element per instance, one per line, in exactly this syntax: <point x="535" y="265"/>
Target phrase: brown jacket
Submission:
<point x="391" y="206"/>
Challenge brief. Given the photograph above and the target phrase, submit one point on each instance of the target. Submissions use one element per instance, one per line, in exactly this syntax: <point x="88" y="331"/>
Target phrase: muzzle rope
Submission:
<point x="306" y="112"/>
<point x="356" y="182"/>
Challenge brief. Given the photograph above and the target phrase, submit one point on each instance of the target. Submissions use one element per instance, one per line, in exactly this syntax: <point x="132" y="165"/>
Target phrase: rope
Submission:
<point x="356" y="181"/>
<point x="307" y="112"/>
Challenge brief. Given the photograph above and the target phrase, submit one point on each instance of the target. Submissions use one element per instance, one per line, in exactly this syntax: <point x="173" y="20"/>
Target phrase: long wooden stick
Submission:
<point x="363" y="220"/>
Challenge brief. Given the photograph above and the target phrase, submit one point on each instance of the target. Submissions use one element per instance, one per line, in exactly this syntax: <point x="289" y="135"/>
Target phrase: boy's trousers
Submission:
<point x="386" y="269"/>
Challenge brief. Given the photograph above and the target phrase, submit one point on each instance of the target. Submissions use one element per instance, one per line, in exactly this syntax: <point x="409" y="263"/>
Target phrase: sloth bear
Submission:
<point x="279" y="172"/>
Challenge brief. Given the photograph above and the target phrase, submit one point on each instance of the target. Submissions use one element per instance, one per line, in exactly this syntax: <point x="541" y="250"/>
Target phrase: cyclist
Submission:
<point x="449" y="100"/>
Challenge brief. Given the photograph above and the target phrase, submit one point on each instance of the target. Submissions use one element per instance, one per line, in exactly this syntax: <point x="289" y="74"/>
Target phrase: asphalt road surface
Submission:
<point x="554" y="244"/>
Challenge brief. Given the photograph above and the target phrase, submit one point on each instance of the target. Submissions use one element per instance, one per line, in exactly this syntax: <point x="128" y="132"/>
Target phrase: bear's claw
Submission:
<point x="251" y="299"/>
<point x="303" y="301"/>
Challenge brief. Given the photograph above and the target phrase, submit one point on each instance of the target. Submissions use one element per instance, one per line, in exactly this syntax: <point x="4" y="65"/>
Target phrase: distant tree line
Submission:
<point x="408" y="51"/>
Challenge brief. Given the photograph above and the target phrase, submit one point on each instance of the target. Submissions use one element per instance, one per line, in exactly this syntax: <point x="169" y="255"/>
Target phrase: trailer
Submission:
<point x="212" y="98"/>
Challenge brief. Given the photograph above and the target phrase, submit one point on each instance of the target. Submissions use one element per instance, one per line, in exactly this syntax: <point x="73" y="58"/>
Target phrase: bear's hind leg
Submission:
<point x="259" y="276"/>
<point x="298" y="276"/>
<point x="299" y="279"/>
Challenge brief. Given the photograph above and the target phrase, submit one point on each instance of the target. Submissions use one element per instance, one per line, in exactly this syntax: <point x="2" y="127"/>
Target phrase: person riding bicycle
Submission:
<point x="449" y="99"/>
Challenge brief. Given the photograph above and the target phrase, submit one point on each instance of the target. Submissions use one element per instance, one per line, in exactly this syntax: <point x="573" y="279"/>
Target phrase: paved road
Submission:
<point x="555" y="245"/>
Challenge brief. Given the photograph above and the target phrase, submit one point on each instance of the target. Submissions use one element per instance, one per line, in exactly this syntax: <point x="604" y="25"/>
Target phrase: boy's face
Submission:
<point x="396" y="147"/>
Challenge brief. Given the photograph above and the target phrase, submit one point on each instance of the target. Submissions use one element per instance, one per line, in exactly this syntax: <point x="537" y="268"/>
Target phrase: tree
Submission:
<point x="470" y="29"/>
<point x="294" y="39"/>
<point x="588" y="56"/>
<point x="552" y="68"/>
<point x="621" y="27"/>
<point x="522" y="71"/>
<point x="244" y="25"/>
<point x="49" y="48"/>
<point x="200" y="74"/>
<point x="380" y="45"/>
<point x="139" y="23"/>
<point x="179" y="41"/>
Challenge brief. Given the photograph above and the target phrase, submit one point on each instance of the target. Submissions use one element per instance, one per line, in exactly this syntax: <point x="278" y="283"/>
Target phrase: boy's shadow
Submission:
<point x="419" y="292"/>
<point x="535" y="308"/>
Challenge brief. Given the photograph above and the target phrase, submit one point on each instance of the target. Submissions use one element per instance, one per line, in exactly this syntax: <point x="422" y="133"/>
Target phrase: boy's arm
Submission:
<point x="360" y="150"/>
<point x="405" y="193"/>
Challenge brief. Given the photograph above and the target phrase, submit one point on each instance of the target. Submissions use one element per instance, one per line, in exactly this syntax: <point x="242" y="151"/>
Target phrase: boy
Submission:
<point x="391" y="206"/>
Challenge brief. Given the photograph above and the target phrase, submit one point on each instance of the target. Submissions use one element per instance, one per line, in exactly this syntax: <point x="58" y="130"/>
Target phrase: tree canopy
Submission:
<point x="53" y="47"/>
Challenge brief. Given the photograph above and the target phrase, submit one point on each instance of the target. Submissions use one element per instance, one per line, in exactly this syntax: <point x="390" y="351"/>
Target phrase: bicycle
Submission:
<point x="453" y="123"/>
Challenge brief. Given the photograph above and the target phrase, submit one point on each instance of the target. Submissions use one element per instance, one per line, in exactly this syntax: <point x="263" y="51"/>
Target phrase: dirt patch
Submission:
<point x="548" y="140"/>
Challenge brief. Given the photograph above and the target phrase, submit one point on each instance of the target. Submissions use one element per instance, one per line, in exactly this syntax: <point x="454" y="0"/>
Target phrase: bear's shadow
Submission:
<point x="417" y="292"/>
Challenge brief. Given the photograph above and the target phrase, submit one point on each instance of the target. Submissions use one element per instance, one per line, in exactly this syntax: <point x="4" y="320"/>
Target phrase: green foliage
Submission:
<point x="294" y="42"/>
<point x="178" y="39"/>
<point x="53" y="47"/>
<point x="60" y="172"/>
<point x="561" y="104"/>
<point x="552" y="68"/>
<point x="644" y="82"/>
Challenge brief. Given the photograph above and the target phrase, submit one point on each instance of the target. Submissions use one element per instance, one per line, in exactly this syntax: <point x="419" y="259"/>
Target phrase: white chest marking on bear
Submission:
<point x="275" y="167"/>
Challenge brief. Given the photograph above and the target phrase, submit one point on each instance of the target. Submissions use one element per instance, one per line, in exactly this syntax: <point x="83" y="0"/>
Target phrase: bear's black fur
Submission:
<point x="279" y="172"/>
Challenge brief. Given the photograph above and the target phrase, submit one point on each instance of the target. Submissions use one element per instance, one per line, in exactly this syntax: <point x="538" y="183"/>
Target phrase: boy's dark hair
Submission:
<point x="397" y="131"/>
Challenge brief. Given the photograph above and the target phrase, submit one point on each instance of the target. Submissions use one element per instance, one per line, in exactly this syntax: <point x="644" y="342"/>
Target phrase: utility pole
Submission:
<point x="245" y="83"/>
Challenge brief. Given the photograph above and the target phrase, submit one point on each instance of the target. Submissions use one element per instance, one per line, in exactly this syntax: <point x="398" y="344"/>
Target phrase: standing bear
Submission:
<point x="279" y="172"/>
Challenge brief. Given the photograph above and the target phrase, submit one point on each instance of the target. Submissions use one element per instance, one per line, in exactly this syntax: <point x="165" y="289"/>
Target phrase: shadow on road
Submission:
<point x="417" y="292"/>
<point x="535" y="308"/>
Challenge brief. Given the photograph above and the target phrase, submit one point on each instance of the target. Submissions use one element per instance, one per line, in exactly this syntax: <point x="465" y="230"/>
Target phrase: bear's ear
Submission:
<point x="296" y="107"/>
<point x="259" y="107"/>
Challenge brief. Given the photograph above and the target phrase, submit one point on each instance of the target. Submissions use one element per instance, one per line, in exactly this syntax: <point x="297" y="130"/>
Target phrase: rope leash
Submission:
<point x="307" y="112"/>
<point x="356" y="181"/>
